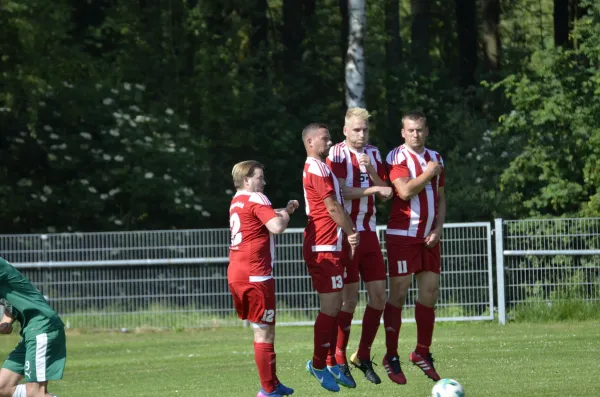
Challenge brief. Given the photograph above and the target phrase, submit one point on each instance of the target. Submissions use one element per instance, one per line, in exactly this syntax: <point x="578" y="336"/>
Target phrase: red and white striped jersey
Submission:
<point x="321" y="233"/>
<point x="252" y="249"/>
<point x="343" y="161"/>
<point x="413" y="218"/>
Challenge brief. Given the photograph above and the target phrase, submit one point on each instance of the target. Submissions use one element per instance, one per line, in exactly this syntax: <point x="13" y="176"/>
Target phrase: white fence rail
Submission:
<point x="542" y="261"/>
<point x="178" y="279"/>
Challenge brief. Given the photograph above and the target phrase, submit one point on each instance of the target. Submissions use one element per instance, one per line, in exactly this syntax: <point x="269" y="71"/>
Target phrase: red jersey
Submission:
<point x="252" y="249"/>
<point x="413" y="218"/>
<point x="321" y="233"/>
<point x="343" y="161"/>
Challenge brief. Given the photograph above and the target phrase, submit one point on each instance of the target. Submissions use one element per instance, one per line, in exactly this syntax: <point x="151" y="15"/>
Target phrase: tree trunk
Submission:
<point x="355" y="56"/>
<point x="467" y="41"/>
<point x="260" y="25"/>
<point x="561" y="23"/>
<point x="491" y="34"/>
<point x="420" y="34"/>
<point x="393" y="57"/>
<point x="292" y="34"/>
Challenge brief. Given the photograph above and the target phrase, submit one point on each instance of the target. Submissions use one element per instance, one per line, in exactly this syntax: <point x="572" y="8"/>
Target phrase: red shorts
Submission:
<point x="407" y="255"/>
<point x="326" y="270"/>
<point x="368" y="260"/>
<point x="254" y="302"/>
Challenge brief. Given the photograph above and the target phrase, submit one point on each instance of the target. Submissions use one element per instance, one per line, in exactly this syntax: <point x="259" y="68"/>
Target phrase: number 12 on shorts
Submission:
<point x="402" y="267"/>
<point x="337" y="282"/>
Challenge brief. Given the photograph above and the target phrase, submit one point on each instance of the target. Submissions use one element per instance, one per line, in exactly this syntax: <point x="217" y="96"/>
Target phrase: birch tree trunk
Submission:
<point x="355" y="56"/>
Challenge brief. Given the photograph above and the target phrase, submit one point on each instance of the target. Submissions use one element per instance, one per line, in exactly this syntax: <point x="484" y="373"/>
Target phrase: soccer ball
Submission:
<point x="447" y="388"/>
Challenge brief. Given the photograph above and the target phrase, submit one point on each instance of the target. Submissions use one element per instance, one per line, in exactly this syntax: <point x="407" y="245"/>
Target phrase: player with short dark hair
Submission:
<point x="412" y="240"/>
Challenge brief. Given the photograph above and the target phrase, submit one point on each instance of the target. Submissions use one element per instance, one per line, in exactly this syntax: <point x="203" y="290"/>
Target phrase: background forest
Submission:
<point x="124" y="115"/>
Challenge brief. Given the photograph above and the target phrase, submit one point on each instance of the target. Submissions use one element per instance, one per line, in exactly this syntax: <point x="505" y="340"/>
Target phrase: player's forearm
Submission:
<point x="413" y="187"/>
<point x="341" y="218"/>
<point x="377" y="181"/>
<point x="352" y="193"/>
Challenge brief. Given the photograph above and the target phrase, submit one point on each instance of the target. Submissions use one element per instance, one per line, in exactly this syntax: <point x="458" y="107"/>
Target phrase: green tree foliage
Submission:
<point x="127" y="115"/>
<point x="553" y="129"/>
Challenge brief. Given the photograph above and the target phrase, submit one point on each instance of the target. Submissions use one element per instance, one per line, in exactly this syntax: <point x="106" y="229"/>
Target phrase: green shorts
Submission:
<point x="39" y="358"/>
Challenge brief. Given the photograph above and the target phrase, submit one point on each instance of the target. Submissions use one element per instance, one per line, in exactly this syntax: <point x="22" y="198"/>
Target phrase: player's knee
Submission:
<point x="397" y="300"/>
<point x="349" y="305"/>
<point x="429" y="296"/>
<point x="377" y="300"/>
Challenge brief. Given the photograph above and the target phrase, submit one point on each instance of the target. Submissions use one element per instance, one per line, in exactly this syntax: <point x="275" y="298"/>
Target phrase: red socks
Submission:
<point x="264" y="355"/>
<point x="344" y="321"/>
<point x="425" y="318"/>
<point x="392" y="321"/>
<point x="370" y="325"/>
<point x="323" y="330"/>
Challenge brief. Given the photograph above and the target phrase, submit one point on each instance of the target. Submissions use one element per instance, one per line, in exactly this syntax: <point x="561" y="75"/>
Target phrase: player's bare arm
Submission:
<point x="339" y="215"/>
<point x="278" y="224"/>
<point x="351" y="193"/>
<point x="436" y="232"/>
<point x="365" y="160"/>
<point x="6" y="323"/>
<point x="408" y="188"/>
<point x="291" y="206"/>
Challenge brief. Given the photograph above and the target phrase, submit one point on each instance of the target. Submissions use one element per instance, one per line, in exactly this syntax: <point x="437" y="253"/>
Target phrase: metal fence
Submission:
<point x="543" y="261"/>
<point x="178" y="279"/>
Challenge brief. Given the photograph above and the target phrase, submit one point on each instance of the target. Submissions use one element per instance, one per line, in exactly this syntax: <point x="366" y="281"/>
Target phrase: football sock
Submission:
<point x="264" y="355"/>
<point x="425" y="318"/>
<point x="344" y="322"/>
<point x="392" y="321"/>
<point x="20" y="391"/>
<point x="324" y="325"/>
<point x="370" y="325"/>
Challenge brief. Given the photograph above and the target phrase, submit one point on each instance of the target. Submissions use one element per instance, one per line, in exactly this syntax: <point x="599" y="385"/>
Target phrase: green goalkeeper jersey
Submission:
<point x="26" y="303"/>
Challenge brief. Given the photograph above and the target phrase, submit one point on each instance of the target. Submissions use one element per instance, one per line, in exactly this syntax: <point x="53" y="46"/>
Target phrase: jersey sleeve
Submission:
<point x="397" y="167"/>
<point x="381" y="170"/>
<point x="442" y="180"/>
<point x="323" y="186"/>
<point x="262" y="207"/>
<point x="337" y="162"/>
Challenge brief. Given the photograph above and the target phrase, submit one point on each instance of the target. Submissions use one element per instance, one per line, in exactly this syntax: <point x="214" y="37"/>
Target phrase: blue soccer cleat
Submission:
<point x="283" y="389"/>
<point x="342" y="377"/>
<point x="323" y="376"/>
<point x="263" y="393"/>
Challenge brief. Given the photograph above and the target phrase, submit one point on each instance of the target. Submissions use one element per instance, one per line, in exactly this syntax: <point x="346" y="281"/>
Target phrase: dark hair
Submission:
<point x="312" y="127"/>
<point x="415" y="115"/>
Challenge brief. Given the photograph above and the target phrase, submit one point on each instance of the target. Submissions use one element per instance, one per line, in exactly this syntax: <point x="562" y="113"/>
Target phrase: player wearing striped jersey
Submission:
<point x="253" y="221"/>
<point x="362" y="176"/>
<point x="41" y="353"/>
<point x="325" y="251"/>
<point x="412" y="239"/>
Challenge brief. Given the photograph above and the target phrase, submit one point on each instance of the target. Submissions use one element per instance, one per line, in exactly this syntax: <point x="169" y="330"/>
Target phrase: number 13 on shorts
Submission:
<point x="337" y="282"/>
<point x="402" y="267"/>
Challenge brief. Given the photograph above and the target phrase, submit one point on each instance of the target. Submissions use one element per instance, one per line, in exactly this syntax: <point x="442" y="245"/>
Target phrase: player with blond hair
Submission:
<point x="253" y="222"/>
<point x="360" y="172"/>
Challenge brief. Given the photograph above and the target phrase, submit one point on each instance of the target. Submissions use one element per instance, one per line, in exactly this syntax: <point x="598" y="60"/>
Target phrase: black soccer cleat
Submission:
<point x="366" y="366"/>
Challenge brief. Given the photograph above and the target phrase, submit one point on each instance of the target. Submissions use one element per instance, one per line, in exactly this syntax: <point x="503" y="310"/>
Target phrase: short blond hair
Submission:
<point x="244" y="169"/>
<point x="359" y="113"/>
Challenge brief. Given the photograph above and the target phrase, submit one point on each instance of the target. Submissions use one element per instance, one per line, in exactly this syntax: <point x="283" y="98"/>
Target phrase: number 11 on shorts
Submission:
<point x="402" y="267"/>
<point x="337" y="282"/>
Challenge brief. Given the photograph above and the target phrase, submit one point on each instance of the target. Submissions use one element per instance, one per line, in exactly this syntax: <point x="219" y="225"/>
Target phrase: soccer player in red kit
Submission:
<point x="362" y="176"/>
<point x="253" y="221"/>
<point x="325" y="251"/>
<point x="412" y="240"/>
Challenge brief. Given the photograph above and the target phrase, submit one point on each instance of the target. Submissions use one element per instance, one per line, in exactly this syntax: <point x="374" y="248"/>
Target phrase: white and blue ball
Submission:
<point x="447" y="388"/>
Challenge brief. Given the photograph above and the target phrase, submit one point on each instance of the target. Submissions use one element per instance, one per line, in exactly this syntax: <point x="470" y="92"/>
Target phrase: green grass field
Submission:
<point x="531" y="360"/>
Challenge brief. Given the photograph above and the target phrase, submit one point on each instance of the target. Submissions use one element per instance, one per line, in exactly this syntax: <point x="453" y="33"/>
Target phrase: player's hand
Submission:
<point x="434" y="168"/>
<point x="386" y="192"/>
<point x="364" y="159"/>
<point x="353" y="240"/>
<point x="5" y="328"/>
<point x="433" y="238"/>
<point x="292" y="206"/>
